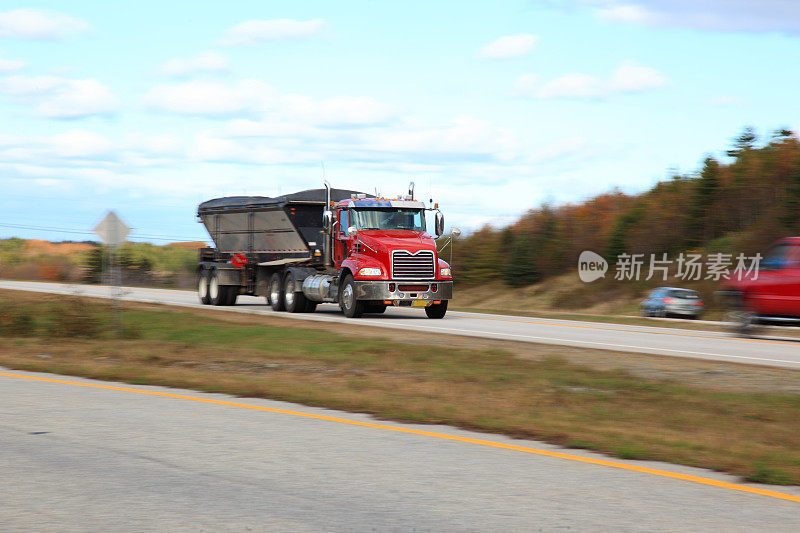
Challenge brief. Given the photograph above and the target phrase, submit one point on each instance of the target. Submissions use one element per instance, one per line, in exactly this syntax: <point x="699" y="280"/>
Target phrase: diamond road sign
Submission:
<point x="112" y="230"/>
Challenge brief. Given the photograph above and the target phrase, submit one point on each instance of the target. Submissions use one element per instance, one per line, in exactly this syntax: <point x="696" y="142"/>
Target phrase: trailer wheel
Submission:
<point x="202" y="287"/>
<point x="276" y="292"/>
<point x="233" y="294"/>
<point x="436" y="310"/>
<point x="351" y="307"/>
<point x="217" y="294"/>
<point x="295" y="302"/>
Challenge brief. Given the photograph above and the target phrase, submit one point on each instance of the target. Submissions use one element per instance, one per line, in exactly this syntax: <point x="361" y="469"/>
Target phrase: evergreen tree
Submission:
<point x="700" y="208"/>
<point x="791" y="204"/>
<point x="521" y="268"/>
<point x="745" y="141"/>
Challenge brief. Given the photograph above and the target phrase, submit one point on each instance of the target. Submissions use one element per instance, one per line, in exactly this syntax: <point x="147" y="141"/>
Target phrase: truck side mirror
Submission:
<point x="439" y="224"/>
<point x="327" y="221"/>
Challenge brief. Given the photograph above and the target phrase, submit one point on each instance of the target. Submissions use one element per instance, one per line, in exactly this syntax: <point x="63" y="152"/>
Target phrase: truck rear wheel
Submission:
<point x="276" y="292"/>
<point x="436" y="310"/>
<point x="202" y="287"/>
<point x="375" y="308"/>
<point x="294" y="302"/>
<point x="351" y="307"/>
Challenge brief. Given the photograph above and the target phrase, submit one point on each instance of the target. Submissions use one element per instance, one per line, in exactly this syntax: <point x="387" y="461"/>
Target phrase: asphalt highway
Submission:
<point x="710" y="345"/>
<point x="84" y="455"/>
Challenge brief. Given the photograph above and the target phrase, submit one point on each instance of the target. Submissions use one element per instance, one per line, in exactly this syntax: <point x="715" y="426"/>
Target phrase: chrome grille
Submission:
<point x="406" y="265"/>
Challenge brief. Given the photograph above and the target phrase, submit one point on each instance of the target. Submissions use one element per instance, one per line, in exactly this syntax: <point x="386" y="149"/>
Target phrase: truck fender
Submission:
<point x="300" y="274"/>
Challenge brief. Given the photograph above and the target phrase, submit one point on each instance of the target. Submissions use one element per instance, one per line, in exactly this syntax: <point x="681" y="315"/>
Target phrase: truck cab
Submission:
<point x="385" y="256"/>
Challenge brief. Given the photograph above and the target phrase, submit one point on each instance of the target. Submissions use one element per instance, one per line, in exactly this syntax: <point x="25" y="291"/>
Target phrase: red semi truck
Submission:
<point x="324" y="245"/>
<point x="770" y="295"/>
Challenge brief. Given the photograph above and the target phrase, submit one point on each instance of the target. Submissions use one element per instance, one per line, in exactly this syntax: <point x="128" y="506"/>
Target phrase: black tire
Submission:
<point x="276" y="292"/>
<point x="293" y="301"/>
<point x="233" y="294"/>
<point x="437" y="310"/>
<point x="351" y="307"/>
<point x="743" y="322"/>
<point x="310" y="306"/>
<point x="202" y="287"/>
<point x="217" y="294"/>
<point x="375" y="309"/>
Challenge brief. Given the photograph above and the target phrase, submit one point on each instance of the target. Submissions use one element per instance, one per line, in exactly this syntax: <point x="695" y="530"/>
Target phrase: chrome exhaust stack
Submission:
<point x="327" y="226"/>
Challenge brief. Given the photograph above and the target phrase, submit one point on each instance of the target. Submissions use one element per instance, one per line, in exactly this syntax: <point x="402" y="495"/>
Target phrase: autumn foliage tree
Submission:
<point x="747" y="201"/>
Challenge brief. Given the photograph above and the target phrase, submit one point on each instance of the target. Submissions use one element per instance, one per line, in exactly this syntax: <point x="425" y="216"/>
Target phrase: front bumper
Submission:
<point x="379" y="290"/>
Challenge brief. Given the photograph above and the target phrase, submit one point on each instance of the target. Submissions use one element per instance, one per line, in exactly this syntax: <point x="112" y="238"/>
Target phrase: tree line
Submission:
<point x="739" y="205"/>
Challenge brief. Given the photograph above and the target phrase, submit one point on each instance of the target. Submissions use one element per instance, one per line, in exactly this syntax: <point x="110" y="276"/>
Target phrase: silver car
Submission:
<point x="672" y="301"/>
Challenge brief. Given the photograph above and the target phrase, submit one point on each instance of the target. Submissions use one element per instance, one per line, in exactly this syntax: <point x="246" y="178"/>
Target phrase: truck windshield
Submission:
<point x="410" y="219"/>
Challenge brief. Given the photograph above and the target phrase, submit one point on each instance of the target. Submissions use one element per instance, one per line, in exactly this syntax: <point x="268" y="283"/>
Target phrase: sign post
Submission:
<point x="113" y="231"/>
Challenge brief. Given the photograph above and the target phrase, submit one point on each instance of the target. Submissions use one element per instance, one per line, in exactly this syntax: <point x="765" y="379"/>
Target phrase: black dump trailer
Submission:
<point x="258" y="236"/>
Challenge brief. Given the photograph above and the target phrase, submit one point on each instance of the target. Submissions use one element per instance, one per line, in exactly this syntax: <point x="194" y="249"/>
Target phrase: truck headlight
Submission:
<point x="369" y="272"/>
<point x="444" y="272"/>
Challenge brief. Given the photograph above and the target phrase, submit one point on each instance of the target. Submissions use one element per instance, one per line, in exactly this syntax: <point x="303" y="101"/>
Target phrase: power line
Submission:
<point x="84" y="232"/>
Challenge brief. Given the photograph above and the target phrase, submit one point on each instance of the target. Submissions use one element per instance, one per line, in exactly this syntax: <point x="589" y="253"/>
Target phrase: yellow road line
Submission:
<point x="481" y="442"/>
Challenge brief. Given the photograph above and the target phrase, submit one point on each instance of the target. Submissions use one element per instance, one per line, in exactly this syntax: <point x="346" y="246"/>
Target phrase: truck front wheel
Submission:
<point x="351" y="307"/>
<point x="436" y="310"/>
<point x="276" y="292"/>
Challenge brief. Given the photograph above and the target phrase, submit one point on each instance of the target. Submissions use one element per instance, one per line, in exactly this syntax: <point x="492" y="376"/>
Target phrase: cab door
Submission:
<point x="777" y="289"/>
<point x="340" y="237"/>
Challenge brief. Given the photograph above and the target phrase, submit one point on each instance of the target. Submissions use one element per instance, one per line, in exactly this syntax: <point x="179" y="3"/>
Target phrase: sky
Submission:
<point x="491" y="108"/>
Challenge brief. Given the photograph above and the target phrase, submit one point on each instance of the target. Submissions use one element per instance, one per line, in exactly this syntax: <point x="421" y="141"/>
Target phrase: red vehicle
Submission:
<point x="324" y="245"/>
<point x="770" y="295"/>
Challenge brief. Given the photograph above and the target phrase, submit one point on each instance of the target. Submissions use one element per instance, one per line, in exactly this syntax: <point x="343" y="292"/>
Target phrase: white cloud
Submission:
<point x="255" y="98"/>
<point x="155" y="145"/>
<point x="260" y="31"/>
<point x="464" y="138"/>
<point x="81" y="144"/>
<point x="30" y="85"/>
<point x="509" y="46"/>
<point x="575" y="85"/>
<point x="628" y="77"/>
<point x="207" y="98"/>
<point x="632" y="78"/>
<point x="337" y="111"/>
<point x="78" y="99"/>
<point x="10" y="65"/>
<point x="37" y="24"/>
<point x="61" y="98"/>
<point x="631" y="14"/>
<point x="719" y="15"/>
<point x="205" y="62"/>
